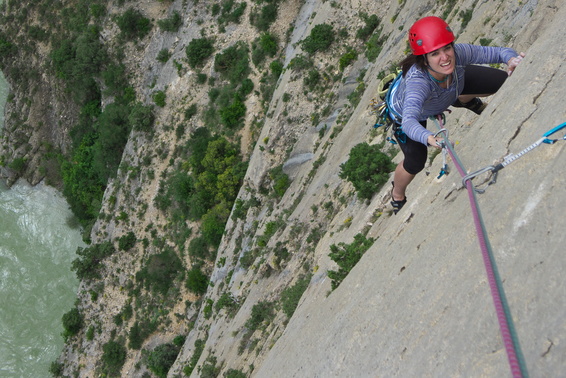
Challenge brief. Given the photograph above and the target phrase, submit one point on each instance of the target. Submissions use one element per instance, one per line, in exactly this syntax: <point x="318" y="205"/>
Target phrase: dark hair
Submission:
<point x="410" y="61"/>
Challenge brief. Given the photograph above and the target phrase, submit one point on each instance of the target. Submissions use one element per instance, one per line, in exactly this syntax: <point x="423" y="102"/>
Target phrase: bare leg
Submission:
<point x="401" y="180"/>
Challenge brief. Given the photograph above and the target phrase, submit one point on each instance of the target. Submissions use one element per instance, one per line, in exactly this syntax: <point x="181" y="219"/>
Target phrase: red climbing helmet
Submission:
<point x="428" y="34"/>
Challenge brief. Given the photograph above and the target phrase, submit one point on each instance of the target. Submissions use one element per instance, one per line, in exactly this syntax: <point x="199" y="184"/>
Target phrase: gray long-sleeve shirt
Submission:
<point x="418" y="97"/>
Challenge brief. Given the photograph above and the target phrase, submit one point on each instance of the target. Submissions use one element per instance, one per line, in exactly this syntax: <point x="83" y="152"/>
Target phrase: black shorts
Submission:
<point x="478" y="80"/>
<point x="482" y="80"/>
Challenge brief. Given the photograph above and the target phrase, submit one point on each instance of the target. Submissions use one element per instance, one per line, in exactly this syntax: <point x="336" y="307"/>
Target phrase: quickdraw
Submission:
<point x="494" y="169"/>
<point x="444" y="170"/>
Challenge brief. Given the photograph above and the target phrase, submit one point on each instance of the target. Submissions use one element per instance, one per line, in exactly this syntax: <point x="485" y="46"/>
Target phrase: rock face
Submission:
<point x="418" y="302"/>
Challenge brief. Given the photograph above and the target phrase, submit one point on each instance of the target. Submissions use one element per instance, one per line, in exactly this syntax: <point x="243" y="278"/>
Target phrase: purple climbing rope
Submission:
<point x="516" y="361"/>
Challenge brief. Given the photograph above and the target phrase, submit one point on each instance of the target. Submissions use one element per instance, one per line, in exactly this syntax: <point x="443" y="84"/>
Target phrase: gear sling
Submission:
<point x="386" y="115"/>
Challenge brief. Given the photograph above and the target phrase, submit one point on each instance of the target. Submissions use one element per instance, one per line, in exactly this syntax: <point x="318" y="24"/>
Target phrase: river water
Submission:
<point x="36" y="284"/>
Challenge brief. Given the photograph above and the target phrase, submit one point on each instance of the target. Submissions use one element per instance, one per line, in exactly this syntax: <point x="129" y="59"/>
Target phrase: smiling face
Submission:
<point x="442" y="61"/>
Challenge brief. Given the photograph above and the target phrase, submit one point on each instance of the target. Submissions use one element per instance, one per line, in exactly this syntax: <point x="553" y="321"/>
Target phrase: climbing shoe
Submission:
<point x="476" y="105"/>
<point x="397" y="205"/>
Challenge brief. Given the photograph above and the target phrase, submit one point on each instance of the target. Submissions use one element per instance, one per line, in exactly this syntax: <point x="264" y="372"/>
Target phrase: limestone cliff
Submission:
<point x="417" y="303"/>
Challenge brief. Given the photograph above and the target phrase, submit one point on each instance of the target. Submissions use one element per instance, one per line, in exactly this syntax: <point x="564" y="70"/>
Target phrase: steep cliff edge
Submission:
<point x="417" y="303"/>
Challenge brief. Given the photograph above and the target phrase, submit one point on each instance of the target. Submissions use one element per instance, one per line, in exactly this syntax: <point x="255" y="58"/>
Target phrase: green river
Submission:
<point x="37" y="285"/>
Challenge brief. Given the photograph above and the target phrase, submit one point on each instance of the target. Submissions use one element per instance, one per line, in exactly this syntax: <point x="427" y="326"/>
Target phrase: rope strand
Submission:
<point x="508" y="333"/>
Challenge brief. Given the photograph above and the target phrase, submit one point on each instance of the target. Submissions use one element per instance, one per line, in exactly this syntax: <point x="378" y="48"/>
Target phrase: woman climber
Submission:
<point x="437" y="74"/>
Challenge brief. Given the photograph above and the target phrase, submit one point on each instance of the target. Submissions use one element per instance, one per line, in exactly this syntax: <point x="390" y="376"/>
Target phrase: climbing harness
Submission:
<point x="493" y="170"/>
<point x="508" y="333"/>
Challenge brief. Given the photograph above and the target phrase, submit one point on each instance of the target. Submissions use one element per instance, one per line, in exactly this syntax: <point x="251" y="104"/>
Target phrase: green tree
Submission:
<point x="87" y="265"/>
<point x="197" y="281"/>
<point x="141" y="117"/>
<point x="133" y="25"/>
<point x="198" y="50"/>
<point x="72" y="323"/>
<point x="233" y="63"/>
<point x="265" y="16"/>
<point x="126" y="242"/>
<point x="367" y="169"/>
<point x="113" y="358"/>
<point x="160" y="360"/>
<point x="160" y="271"/>
<point x="320" y="38"/>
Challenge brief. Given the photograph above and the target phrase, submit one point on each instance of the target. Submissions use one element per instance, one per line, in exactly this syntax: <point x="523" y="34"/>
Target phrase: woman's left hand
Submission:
<point x="514" y="62"/>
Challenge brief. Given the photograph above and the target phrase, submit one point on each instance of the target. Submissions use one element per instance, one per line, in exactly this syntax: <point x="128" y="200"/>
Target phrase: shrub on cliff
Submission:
<point x="233" y="63"/>
<point x="72" y="323"/>
<point x="133" y="25"/>
<point x="347" y="256"/>
<point x="199" y="50"/>
<point x="320" y="38"/>
<point x="87" y="265"/>
<point x="160" y="360"/>
<point x="367" y="169"/>
<point x="113" y="358"/>
<point x="171" y="23"/>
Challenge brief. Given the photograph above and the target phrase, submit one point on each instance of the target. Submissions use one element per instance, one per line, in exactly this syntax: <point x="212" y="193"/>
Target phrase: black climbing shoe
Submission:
<point x="476" y="105"/>
<point x="397" y="205"/>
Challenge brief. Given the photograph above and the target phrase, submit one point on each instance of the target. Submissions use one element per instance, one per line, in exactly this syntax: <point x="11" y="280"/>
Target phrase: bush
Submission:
<point x="347" y="59"/>
<point x="191" y="112"/>
<point x="276" y="68"/>
<point x="233" y="114"/>
<point x="159" y="98"/>
<point x="265" y="16"/>
<point x="160" y="360"/>
<point x="233" y="63"/>
<point x="87" y="265"/>
<point x="347" y="256"/>
<point x="197" y="281"/>
<point x="230" y="11"/>
<point x="163" y="55"/>
<point x="141" y="117"/>
<point x="56" y="369"/>
<point x="371" y="23"/>
<point x="233" y="373"/>
<point x="265" y="45"/>
<point x="133" y="24"/>
<point x="291" y="296"/>
<point x="367" y="169"/>
<point x="171" y="23"/>
<point x="312" y="79"/>
<point x="213" y="223"/>
<point x="160" y="271"/>
<point x="199" y="50"/>
<point x="126" y="242"/>
<point x="113" y="358"/>
<point x="261" y="312"/>
<point x="72" y="323"/>
<point x="198" y="248"/>
<point x="18" y="165"/>
<point x="199" y="348"/>
<point x="320" y="39"/>
<point x="373" y="47"/>
<point x="141" y="331"/>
